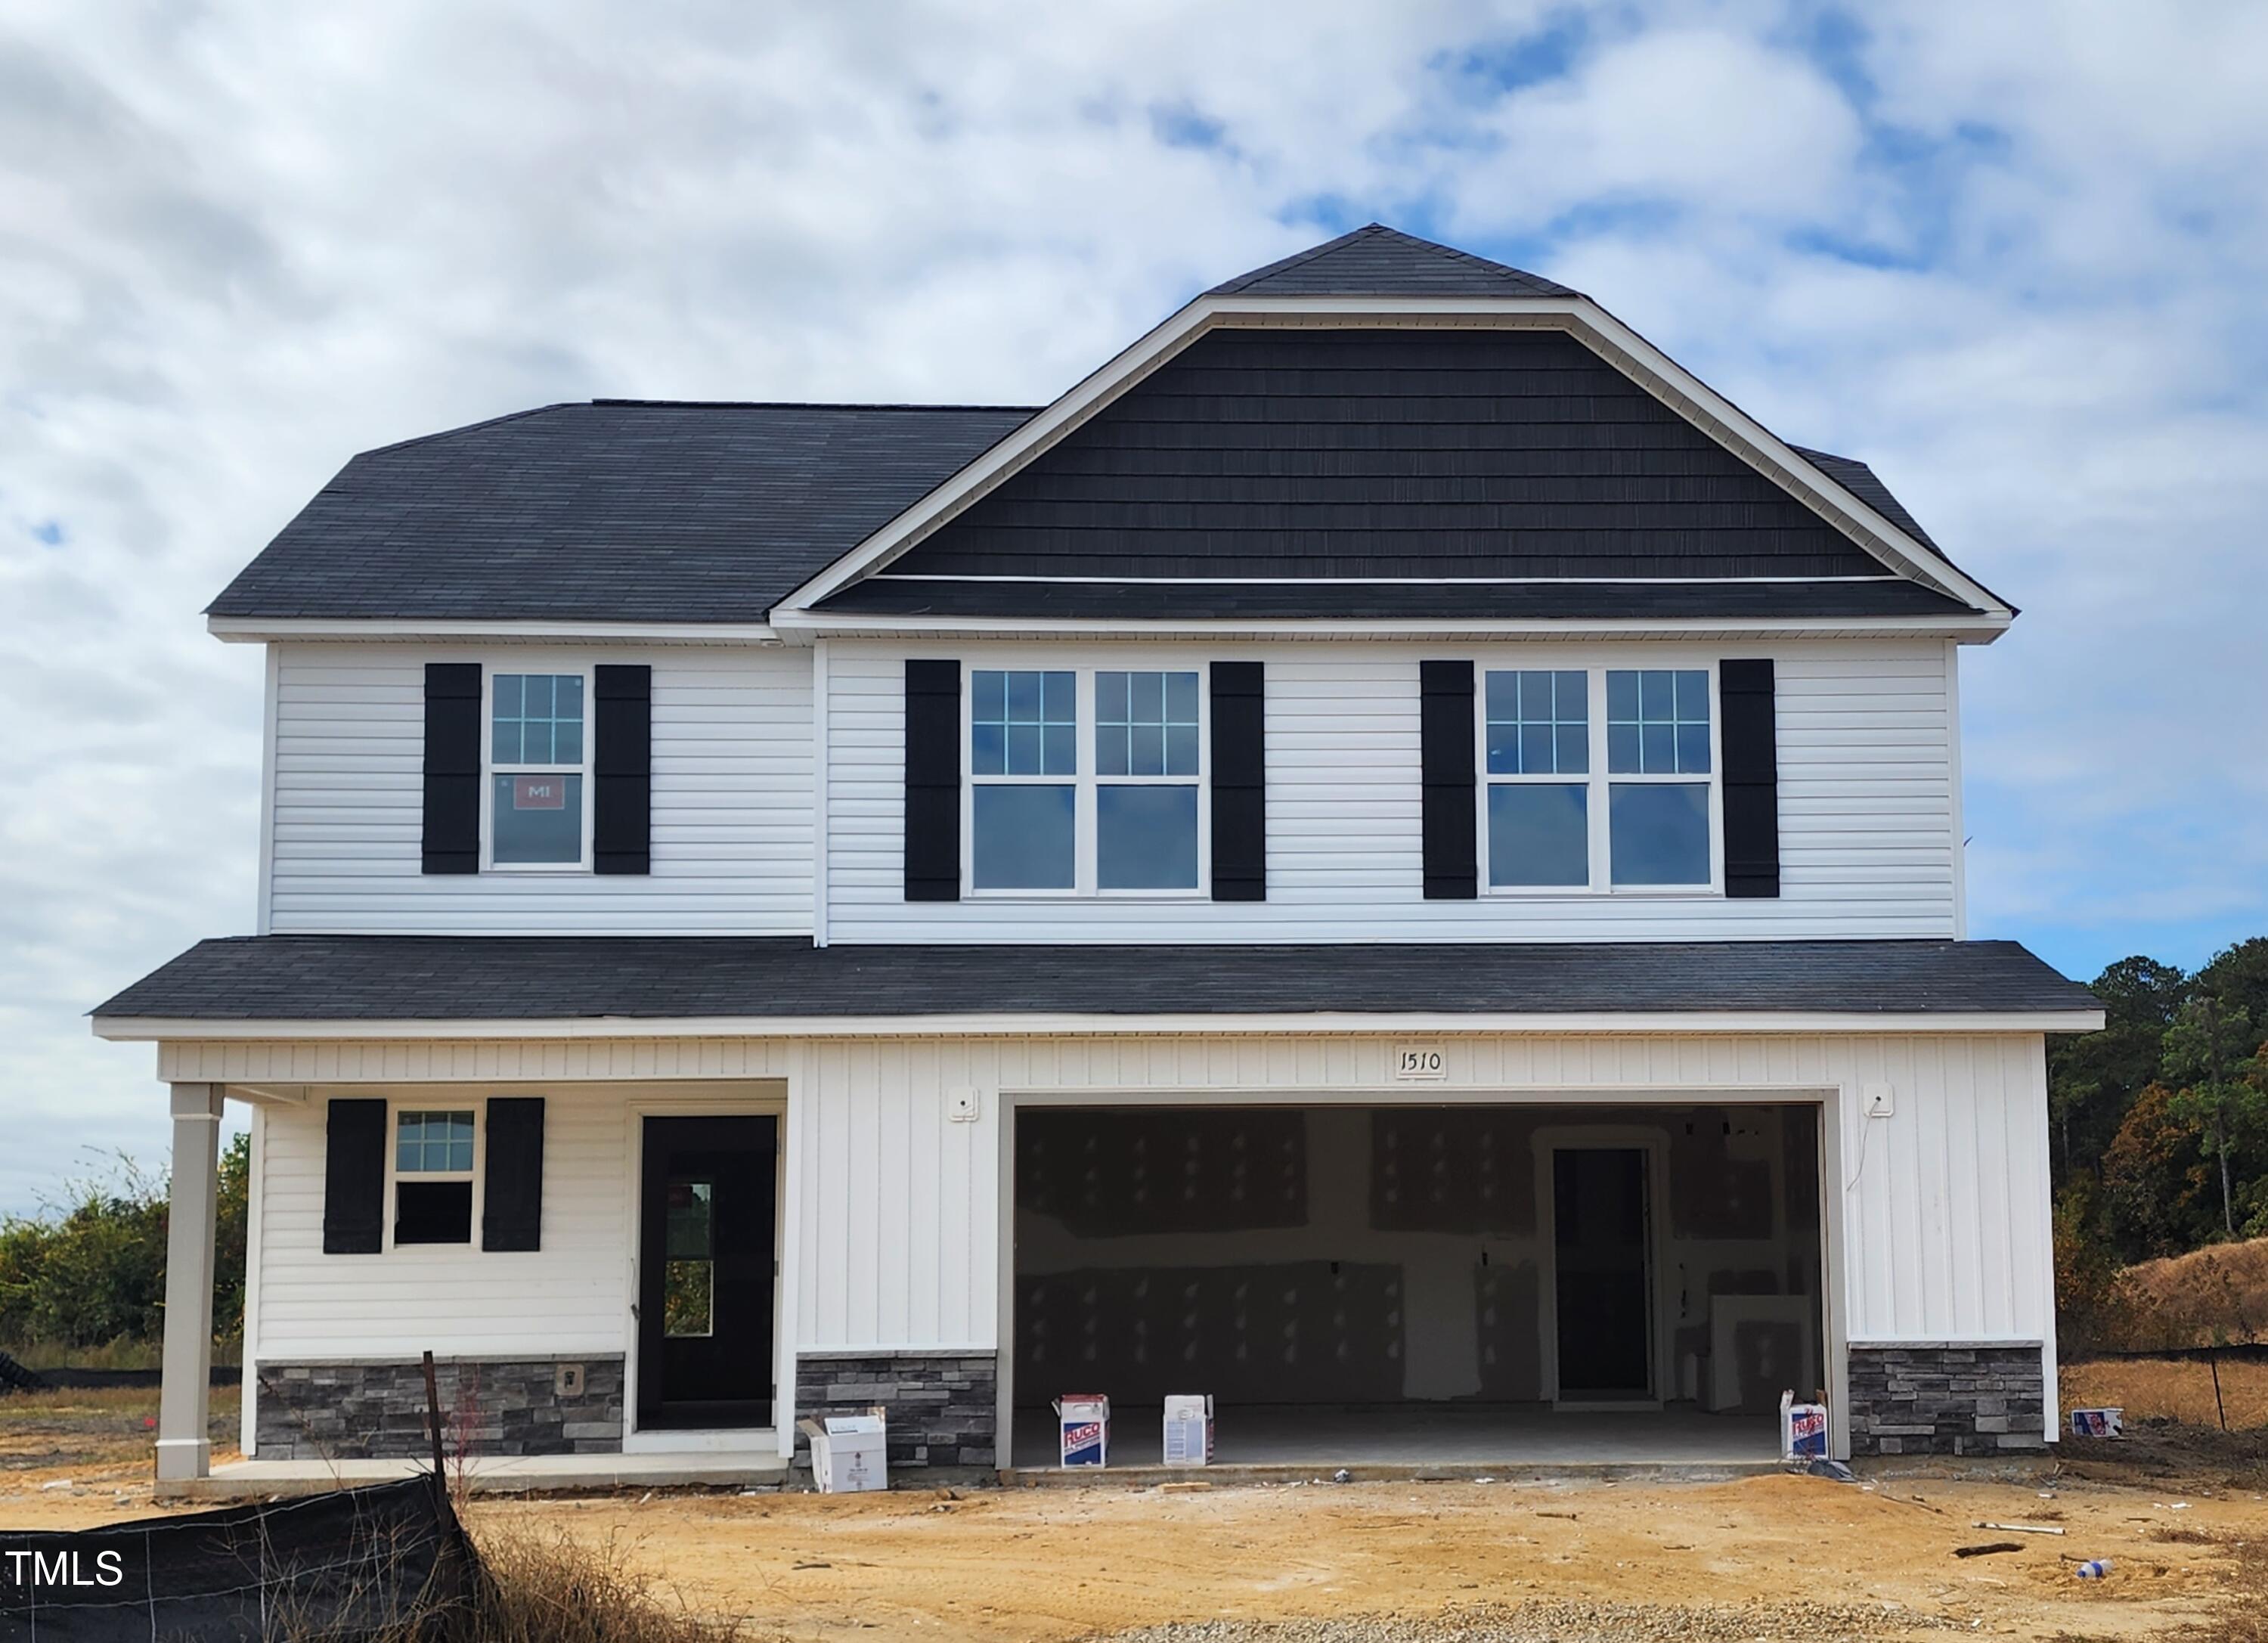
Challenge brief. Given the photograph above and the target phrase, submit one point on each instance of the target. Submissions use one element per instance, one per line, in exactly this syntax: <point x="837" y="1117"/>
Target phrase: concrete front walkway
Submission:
<point x="1450" y="1440"/>
<point x="502" y="1474"/>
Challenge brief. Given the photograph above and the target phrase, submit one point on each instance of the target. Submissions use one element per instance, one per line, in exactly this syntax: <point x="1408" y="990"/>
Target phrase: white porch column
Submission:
<point x="183" y="1450"/>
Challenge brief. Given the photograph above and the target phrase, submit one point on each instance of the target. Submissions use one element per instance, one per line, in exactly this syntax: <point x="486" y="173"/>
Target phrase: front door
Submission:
<point x="1604" y="1291"/>
<point x="704" y="1304"/>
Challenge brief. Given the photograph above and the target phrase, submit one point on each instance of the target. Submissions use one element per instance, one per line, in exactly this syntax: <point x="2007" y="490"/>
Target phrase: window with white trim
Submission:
<point x="433" y="1153"/>
<point x="1117" y="810"/>
<point x="1576" y="798"/>
<point x="537" y="799"/>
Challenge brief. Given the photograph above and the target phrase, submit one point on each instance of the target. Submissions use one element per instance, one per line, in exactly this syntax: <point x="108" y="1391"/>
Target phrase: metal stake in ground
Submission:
<point x="433" y="1425"/>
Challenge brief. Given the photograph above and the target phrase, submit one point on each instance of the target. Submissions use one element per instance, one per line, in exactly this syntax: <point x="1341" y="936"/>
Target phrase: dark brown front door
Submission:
<point x="705" y="1269"/>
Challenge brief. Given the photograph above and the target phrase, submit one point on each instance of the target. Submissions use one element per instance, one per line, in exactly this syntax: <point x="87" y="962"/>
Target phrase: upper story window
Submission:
<point x="537" y="813"/>
<point x="1548" y="753"/>
<point x="1118" y="809"/>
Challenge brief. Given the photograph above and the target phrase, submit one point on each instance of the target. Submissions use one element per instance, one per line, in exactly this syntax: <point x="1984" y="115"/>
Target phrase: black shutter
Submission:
<point x="1744" y="696"/>
<point x="1445" y="693"/>
<point x="622" y="764"/>
<point x="1240" y="783"/>
<point x="354" y="1178"/>
<point x="512" y="1207"/>
<point x="932" y="781"/>
<point x="452" y="767"/>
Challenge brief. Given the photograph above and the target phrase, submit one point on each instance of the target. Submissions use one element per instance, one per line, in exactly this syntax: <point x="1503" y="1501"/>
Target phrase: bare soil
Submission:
<point x="2179" y="1510"/>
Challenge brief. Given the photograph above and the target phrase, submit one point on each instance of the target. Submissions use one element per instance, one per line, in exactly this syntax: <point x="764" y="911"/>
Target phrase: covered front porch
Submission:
<point x="594" y="1264"/>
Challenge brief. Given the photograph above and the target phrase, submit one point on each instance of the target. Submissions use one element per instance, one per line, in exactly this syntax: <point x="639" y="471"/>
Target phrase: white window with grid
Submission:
<point x="536" y="801"/>
<point x="1599" y="779"/>
<point x="1086" y="781"/>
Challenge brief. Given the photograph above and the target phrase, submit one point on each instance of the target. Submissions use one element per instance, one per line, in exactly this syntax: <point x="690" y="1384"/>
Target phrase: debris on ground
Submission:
<point x="1988" y="1549"/>
<point x="1566" y="1621"/>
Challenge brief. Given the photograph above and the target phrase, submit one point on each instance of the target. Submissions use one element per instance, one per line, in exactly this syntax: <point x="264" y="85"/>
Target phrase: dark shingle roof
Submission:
<point x="468" y="978"/>
<point x="645" y="511"/>
<point x="1380" y="261"/>
<point x="614" y="510"/>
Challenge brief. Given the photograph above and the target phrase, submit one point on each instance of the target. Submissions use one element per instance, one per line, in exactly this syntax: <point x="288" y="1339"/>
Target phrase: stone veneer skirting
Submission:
<point x="365" y="1408"/>
<point x="1946" y="1398"/>
<point x="940" y="1406"/>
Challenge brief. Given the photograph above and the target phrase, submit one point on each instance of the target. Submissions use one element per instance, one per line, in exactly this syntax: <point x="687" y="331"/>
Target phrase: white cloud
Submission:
<point x="241" y="243"/>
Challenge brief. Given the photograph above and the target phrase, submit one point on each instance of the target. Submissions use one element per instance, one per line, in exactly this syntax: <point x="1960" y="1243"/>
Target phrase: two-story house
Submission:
<point x="1390" y="856"/>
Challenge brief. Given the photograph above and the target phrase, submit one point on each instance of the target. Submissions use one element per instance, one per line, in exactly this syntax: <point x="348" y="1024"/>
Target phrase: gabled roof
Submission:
<point x="1336" y="467"/>
<point x="533" y="978"/>
<point x="1380" y="261"/>
<point x="634" y="511"/>
<point x="614" y="510"/>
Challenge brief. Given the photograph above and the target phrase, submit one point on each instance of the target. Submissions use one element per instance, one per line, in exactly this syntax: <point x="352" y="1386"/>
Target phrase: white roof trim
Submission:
<point x="1617" y="342"/>
<point x="140" y="1029"/>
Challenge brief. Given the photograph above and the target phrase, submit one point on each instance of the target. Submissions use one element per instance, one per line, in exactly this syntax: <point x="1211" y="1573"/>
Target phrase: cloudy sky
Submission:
<point x="2013" y="255"/>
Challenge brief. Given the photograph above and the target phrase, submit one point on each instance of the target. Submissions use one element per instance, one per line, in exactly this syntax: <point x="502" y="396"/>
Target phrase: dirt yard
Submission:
<point x="1768" y="1558"/>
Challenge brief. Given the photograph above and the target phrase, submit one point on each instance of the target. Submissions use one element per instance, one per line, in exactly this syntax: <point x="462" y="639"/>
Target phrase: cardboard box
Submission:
<point x="849" y="1454"/>
<point x="1802" y="1429"/>
<point x="1189" y="1429"/>
<point x="2099" y="1423"/>
<point x="1083" y="1426"/>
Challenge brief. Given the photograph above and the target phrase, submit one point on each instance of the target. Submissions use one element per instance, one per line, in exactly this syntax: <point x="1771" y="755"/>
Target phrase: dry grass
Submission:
<point x="101" y="1427"/>
<point x="2169" y="1389"/>
<point x="551" y="1589"/>
<point x="2206" y="1297"/>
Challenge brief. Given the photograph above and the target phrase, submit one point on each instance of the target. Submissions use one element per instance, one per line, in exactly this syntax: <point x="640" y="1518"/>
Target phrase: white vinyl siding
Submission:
<point x="571" y="1295"/>
<point x="732" y="801"/>
<point x="1867" y="832"/>
<point x="894" y="1212"/>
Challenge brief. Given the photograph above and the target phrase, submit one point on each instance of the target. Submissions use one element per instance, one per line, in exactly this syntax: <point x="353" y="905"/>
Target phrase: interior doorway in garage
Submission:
<point x="1486" y="1283"/>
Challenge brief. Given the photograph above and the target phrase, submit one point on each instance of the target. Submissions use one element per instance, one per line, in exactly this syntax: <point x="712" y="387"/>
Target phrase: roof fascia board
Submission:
<point x="267" y="629"/>
<point x="1702" y="404"/>
<point x="1617" y="342"/>
<point x="792" y="624"/>
<point x="1086" y="397"/>
<point x="134" y="1029"/>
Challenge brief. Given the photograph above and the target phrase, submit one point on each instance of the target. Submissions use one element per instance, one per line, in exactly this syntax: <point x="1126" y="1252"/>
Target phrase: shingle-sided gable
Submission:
<point x="614" y="510"/>
<point x="1380" y="261"/>
<point x="1292" y="454"/>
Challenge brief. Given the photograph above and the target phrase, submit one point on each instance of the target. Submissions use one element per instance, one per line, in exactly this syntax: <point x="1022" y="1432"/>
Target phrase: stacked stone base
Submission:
<point x="940" y="1407"/>
<point x="1946" y="1398"/>
<point x="375" y="1409"/>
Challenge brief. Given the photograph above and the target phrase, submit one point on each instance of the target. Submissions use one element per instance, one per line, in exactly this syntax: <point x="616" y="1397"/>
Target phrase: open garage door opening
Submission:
<point x="1475" y="1284"/>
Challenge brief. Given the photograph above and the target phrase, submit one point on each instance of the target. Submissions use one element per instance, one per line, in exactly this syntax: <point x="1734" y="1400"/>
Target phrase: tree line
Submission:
<point x="2160" y="1121"/>
<point x="89" y="1273"/>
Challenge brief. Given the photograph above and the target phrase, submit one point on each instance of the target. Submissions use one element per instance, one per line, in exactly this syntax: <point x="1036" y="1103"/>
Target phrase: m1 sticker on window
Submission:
<point x="539" y="793"/>
<point x="1429" y="1066"/>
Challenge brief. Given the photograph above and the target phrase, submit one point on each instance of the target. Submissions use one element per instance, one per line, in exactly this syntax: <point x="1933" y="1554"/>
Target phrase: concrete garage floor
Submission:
<point x="1460" y="1439"/>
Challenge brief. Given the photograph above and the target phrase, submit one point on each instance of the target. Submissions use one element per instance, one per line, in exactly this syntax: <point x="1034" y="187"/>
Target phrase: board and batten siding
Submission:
<point x="1868" y="835"/>
<point x="895" y="1211"/>
<point x="731" y="817"/>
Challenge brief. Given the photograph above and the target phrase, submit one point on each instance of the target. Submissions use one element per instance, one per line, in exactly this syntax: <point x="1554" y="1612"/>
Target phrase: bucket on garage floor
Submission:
<point x="1189" y="1429"/>
<point x="1802" y="1429"/>
<point x="1083" y="1426"/>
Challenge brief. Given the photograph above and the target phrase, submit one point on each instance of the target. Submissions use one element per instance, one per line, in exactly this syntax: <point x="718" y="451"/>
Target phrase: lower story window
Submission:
<point x="433" y="1177"/>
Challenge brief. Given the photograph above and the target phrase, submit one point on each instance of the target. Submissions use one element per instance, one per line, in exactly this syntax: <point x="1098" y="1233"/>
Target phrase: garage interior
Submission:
<point x="1452" y="1284"/>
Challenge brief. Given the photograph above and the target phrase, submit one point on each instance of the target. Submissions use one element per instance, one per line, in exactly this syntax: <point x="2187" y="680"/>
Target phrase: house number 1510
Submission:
<point x="1420" y="1064"/>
